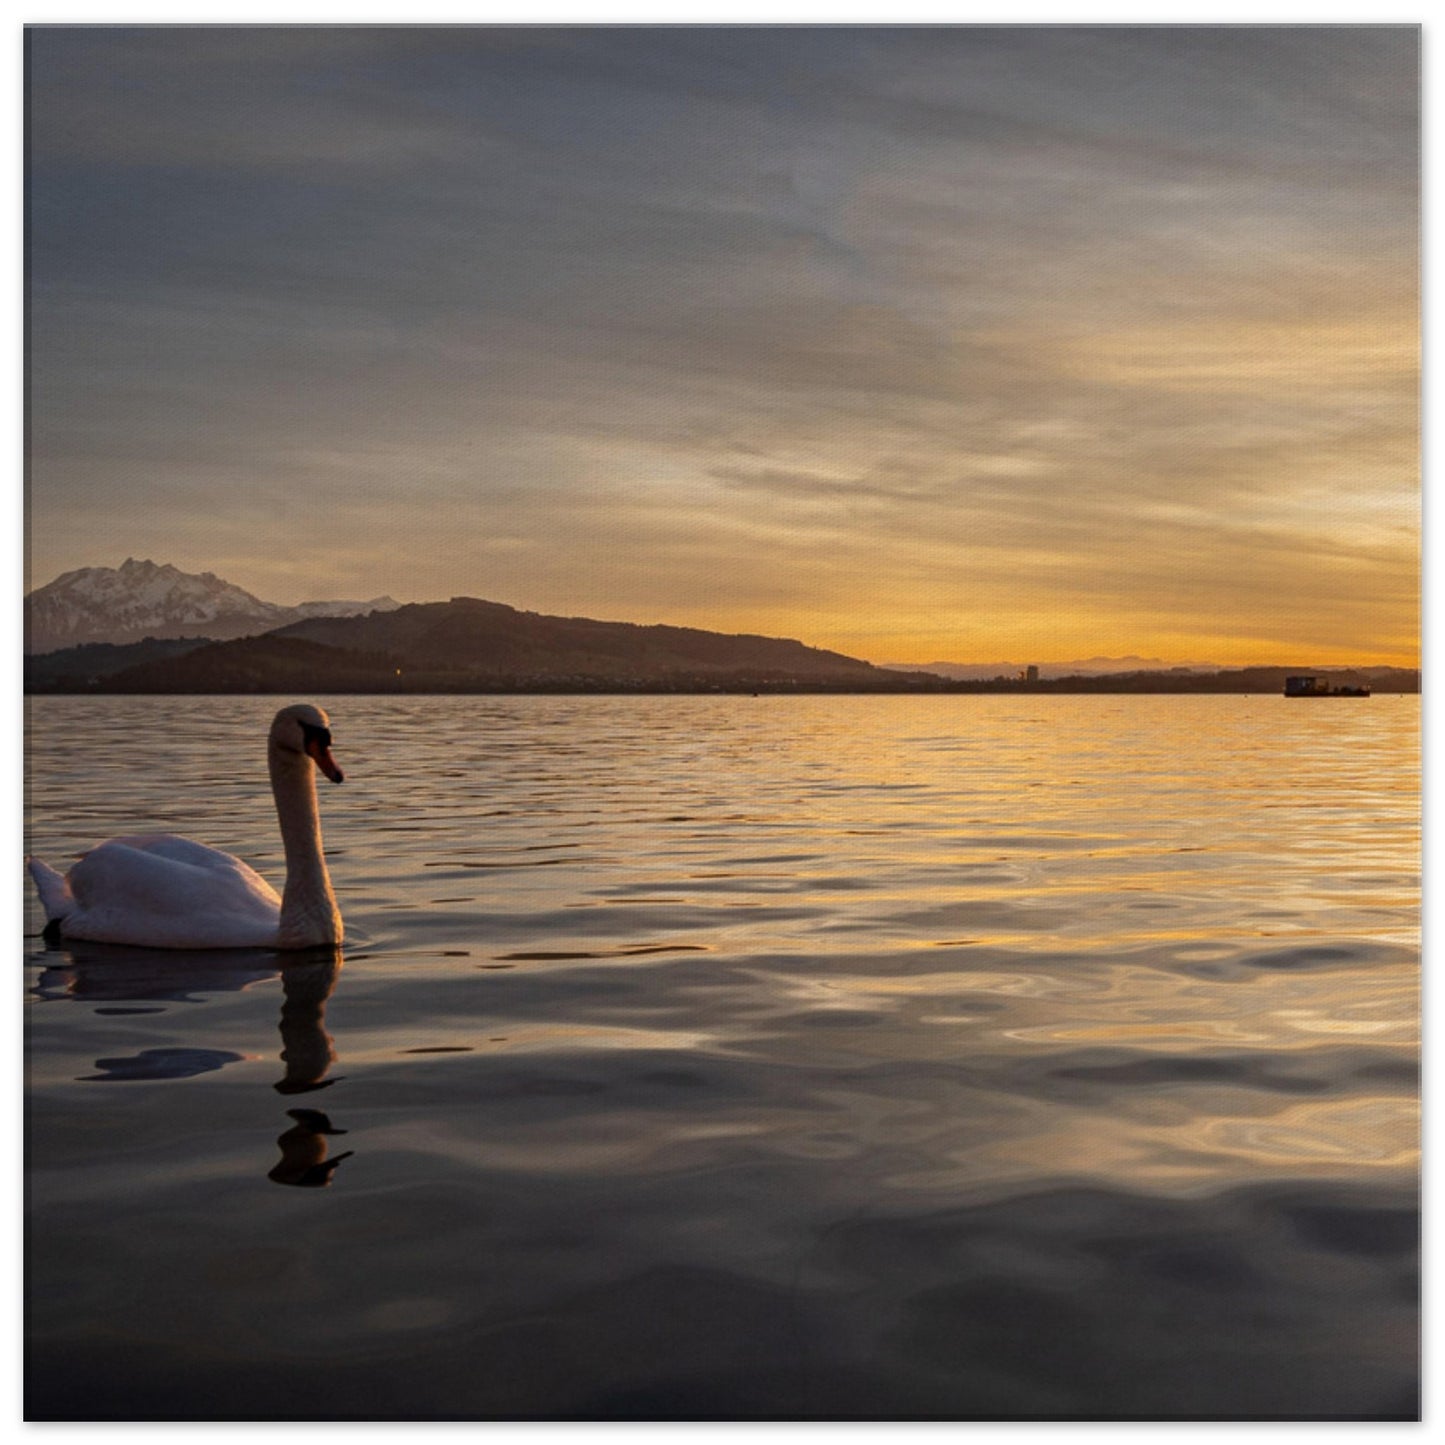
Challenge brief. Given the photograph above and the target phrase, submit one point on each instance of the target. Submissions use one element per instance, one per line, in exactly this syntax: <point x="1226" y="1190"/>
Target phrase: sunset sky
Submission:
<point x="974" y="343"/>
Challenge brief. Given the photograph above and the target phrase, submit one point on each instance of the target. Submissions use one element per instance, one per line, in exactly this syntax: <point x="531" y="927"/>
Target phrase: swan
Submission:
<point x="156" y="890"/>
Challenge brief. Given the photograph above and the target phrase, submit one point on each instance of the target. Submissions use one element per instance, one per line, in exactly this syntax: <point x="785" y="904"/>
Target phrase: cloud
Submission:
<point x="824" y="318"/>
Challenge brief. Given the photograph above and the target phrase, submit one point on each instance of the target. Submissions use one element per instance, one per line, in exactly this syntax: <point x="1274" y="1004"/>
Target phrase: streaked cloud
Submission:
<point x="914" y="343"/>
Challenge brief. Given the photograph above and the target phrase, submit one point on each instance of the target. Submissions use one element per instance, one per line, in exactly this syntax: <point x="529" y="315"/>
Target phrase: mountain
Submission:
<point x="494" y="639"/>
<point x="1082" y="667"/>
<point x="140" y="599"/>
<point x="75" y="668"/>
<point x="303" y="610"/>
<point x="472" y="645"/>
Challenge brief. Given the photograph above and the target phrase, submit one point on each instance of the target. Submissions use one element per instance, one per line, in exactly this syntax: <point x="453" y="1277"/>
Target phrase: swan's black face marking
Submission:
<point x="314" y="734"/>
<point x="317" y="746"/>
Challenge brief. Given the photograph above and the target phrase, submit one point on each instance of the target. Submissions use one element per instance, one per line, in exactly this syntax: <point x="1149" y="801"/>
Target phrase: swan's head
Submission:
<point x="306" y="730"/>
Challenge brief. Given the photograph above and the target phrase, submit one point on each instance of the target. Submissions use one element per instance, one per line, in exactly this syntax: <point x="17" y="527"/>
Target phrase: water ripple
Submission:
<point x="918" y="1058"/>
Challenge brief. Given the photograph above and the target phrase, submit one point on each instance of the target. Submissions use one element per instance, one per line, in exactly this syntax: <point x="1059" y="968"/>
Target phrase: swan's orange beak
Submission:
<point x="320" y="754"/>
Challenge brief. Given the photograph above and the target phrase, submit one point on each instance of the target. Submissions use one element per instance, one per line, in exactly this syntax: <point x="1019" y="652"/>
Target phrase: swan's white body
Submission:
<point x="159" y="891"/>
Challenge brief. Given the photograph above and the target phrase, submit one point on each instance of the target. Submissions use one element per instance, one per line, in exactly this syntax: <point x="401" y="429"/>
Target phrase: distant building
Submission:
<point x="1307" y="685"/>
<point x="1032" y="673"/>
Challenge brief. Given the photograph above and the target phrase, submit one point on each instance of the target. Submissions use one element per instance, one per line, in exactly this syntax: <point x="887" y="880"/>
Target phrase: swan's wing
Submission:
<point x="184" y="850"/>
<point x="170" y="893"/>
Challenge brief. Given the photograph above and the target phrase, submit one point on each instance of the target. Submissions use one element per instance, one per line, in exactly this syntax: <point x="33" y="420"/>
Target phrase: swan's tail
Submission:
<point x="54" y="890"/>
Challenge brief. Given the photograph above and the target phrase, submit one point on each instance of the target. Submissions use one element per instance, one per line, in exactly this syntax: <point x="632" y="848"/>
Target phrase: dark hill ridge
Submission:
<point x="255" y="664"/>
<point x="469" y="645"/>
<point x="490" y="639"/>
<point x="72" y="668"/>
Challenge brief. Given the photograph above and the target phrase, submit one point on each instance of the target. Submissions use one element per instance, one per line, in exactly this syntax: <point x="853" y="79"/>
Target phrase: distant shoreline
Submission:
<point x="469" y="646"/>
<point x="1139" y="686"/>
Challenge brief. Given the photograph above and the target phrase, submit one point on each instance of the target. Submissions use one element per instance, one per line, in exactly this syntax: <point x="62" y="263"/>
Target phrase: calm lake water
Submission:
<point x="783" y="1057"/>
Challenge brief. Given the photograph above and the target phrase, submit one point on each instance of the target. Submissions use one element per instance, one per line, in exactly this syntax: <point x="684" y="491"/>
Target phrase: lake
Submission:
<point x="968" y="1057"/>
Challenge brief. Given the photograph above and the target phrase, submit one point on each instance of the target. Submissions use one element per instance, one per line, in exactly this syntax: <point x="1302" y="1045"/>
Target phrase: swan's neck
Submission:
<point x="309" y="916"/>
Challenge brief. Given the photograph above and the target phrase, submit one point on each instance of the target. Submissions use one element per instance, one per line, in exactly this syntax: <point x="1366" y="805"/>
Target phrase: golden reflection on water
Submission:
<point x="1380" y="1132"/>
<point x="963" y="1039"/>
<point x="980" y="886"/>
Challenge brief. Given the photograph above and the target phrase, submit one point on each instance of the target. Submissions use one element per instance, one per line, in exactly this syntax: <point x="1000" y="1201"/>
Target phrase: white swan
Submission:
<point x="159" y="891"/>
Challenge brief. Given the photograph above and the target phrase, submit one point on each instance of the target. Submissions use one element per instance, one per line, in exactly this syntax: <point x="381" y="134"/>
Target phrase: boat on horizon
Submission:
<point x="1309" y="685"/>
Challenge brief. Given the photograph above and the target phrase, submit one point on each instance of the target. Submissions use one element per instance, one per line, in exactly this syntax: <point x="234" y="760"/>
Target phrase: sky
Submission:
<point x="966" y="343"/>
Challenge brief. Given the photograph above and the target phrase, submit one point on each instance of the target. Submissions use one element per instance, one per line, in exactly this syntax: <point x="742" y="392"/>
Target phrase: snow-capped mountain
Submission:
<point x="141" y="599"/>
<point x="304" y="610"/>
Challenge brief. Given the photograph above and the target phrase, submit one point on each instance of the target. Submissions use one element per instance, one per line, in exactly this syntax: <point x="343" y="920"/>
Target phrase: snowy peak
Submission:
<point x="141" y="599"/>
<point x="345" y="609"/>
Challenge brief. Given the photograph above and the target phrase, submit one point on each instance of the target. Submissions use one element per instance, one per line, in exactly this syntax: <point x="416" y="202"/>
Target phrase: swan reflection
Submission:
<point x="307" y="1050"/>
<point x="308" y="1053"/>
<point x="105" y="972"/>
<point x="162" y="1064"/>
<point x="100" y="972"/>
<point x="305" y="1160"/>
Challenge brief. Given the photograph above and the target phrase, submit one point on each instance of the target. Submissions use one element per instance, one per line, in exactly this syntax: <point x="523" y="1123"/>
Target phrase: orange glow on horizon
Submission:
<point x="1049" y="646"/>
